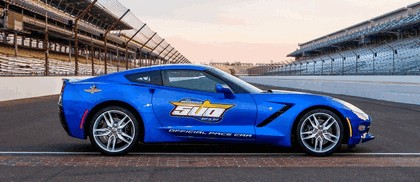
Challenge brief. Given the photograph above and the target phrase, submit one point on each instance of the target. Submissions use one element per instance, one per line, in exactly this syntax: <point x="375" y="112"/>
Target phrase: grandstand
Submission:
<point x="77" y="37"/>
<point x="236" y="68"/>
<point x="386" y="45"/>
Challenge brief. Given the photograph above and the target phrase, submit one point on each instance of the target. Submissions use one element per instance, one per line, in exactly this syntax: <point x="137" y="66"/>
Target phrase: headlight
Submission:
<point x="362" y="115"/>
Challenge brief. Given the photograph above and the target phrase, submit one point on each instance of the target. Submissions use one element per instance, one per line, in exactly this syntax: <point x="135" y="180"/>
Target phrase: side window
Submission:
<point x="152" y="77"/>
<point x="191" y="79"/>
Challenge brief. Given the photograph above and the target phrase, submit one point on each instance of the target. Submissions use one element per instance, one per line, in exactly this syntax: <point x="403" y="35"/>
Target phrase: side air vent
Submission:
<point x="274" y="116"/>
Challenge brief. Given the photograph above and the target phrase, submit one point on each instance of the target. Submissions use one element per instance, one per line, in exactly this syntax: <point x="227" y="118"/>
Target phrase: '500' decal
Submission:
<point x="202" y="111"/>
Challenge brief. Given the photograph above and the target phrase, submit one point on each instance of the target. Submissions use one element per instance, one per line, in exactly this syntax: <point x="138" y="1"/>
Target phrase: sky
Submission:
<point x="251" y="31"/>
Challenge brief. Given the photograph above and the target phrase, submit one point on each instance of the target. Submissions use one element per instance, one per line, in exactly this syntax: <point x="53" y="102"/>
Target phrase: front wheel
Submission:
<point x="114" y="131"/>
<point x="320" y="132"/>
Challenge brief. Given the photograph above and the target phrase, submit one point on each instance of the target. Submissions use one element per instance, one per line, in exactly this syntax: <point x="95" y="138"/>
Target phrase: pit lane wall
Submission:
<point x="12" y="88"/>
<point x="403" y="89"/>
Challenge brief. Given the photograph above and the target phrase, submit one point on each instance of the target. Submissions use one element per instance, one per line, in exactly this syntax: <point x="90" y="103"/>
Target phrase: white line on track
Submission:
<point x="203" y="154"/>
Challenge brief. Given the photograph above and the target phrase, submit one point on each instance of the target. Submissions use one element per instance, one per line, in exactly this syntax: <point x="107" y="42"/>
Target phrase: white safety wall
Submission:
<point x="403" y="89"/>
<point x="12" y="88"/>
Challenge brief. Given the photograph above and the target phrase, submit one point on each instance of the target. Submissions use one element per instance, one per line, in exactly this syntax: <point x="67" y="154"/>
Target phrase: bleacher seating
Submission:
<point x="367" y="28"/>
<point x="31" y="62"/>
<point x="395" y="49"/>
<point x="400" y="57"/>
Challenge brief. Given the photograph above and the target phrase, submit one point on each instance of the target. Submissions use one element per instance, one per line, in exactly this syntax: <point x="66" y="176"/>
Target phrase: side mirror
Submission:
<point x="223" y="88"/>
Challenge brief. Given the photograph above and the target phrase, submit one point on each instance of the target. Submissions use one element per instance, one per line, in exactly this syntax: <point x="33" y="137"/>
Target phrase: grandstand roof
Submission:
<point x="402" y="17"/>
<point x="97" y="13"/>
<point x="91" y="30"/>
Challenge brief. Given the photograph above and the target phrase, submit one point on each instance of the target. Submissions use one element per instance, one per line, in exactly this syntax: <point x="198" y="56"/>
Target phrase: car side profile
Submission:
<point x="196" y="103"/>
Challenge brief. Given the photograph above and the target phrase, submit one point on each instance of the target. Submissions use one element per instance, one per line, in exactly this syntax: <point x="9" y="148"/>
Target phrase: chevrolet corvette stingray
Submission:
<point x="196" y="103"/>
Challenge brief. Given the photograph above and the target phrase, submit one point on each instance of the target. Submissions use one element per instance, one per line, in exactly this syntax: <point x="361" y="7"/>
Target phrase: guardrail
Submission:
<point x="403" y="89"/>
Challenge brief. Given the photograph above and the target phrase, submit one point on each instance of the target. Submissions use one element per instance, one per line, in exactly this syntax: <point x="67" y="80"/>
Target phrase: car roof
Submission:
<point x="180" y="66"/>
<point x="168" y="67"/>
<point x="119" y="75"/>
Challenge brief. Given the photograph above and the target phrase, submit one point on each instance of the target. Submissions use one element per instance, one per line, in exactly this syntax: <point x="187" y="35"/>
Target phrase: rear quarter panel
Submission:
<point x="76" y="100"/>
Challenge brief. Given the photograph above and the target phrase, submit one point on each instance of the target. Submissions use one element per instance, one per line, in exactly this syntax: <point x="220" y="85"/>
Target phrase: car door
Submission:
<point x="188" y="106"/>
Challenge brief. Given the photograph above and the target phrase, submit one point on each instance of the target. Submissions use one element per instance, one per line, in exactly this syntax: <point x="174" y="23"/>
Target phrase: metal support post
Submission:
<point x="76" y="39"/>
<point x="162" y="52"/>
<point x="164" y="57"/>
<point x="126" y="45"/>
<point x="151" y="52"/>
<point x="177" y="55"/>
<point x="106" y="40"/>
<point x="141" y="48"/>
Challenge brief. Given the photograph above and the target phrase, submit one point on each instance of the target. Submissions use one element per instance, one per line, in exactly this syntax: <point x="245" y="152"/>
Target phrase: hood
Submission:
<point x="289" y="92"/>
<point x="286" y="96"/>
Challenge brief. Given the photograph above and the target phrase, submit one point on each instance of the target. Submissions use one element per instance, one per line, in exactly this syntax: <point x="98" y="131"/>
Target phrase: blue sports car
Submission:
<point x="195" y="103"/>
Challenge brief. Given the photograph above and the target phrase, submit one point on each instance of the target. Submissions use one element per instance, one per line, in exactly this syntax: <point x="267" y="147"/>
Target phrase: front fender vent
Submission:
<point x="274" y="116"/>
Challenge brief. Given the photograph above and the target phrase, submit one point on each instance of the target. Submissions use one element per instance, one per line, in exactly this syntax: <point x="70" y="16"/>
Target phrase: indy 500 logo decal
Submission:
<point x="202" y="111"/>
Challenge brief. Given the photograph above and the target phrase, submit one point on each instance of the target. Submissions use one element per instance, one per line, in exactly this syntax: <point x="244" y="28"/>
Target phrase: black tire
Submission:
<point x="116" y="137"/>
<point x="320" y="132"/>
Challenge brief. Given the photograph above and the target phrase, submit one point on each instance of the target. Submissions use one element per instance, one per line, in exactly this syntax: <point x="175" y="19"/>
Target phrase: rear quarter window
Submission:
<point x="150" y="77"/>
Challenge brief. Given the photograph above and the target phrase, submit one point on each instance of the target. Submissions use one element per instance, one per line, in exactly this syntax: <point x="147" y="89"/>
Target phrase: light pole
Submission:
<point x="342" y="61"/>
<point x="373" y="60"/>
<point x="332" y="67"/>
<point x="357" y="58"/>
<point x="393" y="57"/>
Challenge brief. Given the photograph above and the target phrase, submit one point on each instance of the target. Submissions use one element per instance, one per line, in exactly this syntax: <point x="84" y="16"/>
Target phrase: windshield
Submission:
<point x="246" y="86"/>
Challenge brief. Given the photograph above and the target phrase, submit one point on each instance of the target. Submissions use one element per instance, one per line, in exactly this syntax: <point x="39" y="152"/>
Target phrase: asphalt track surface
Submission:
<point x="34" y="147"/>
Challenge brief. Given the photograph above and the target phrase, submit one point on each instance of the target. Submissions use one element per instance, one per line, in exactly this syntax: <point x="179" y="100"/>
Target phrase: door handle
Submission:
<point x="152" y="90"/>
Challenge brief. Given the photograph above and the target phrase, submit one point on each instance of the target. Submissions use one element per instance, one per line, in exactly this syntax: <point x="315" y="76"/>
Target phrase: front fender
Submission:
<point x="280" y="130"/>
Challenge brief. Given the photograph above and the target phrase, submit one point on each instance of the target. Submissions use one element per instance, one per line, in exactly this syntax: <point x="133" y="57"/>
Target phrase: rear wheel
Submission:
<point x="114" y="131"/>
<point x="320" y="132"/>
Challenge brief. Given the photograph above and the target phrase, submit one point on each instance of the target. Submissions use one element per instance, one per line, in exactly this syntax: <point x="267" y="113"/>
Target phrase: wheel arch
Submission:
<point x="122" y="104"/>
<point x="335" y="111"/>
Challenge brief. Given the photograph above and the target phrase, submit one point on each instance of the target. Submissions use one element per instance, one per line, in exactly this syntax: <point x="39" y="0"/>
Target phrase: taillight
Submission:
<point x="60" y="99"/>
<point x="64" y="85"/>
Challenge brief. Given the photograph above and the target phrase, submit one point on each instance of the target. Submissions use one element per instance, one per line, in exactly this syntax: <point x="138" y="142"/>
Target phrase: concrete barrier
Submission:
<point x="403" y="89"/>
<point x="12" y="88"/>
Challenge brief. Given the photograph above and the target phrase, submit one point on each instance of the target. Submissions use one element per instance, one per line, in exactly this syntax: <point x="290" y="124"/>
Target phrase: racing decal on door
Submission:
<point x="204" y="111"/>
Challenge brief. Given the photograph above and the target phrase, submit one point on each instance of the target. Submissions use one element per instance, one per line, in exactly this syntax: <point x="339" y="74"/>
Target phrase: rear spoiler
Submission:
<point x="67" y="81"/>
<point x="70" y="80"/>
